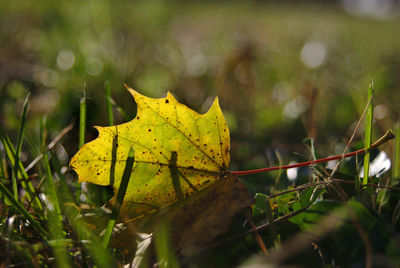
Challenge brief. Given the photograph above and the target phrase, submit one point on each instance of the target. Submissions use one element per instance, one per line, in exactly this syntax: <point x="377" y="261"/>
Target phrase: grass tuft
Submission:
<point x="21" y="209"/>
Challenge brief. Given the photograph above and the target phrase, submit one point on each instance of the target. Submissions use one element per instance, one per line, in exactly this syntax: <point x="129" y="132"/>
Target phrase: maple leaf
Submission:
<point x="178" y="152"/>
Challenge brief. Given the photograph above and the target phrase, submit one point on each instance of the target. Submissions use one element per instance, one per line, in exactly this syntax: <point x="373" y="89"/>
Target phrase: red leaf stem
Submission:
<point x="389" y="135"/>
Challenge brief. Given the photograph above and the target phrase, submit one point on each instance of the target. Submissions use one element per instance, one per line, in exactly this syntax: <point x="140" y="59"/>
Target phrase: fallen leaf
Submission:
<point x="178" y="152"/>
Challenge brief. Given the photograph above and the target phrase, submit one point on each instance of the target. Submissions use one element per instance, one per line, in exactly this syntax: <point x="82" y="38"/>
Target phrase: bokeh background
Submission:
<point x="283" y="70"/>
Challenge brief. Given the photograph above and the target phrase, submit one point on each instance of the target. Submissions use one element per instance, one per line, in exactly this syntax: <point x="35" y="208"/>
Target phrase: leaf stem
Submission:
<point x="388" y="136"/>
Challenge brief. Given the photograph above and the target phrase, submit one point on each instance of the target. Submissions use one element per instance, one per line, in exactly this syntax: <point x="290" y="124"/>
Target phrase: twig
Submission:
<point x="389" y="133"/>
<point x="309" y="185"/>
<point x="51" y="145"/>
<point x="302" y="240"/>
<point x="260" y="227"/>
<point x="301" y="187"/>
<point x="257" y="235"/>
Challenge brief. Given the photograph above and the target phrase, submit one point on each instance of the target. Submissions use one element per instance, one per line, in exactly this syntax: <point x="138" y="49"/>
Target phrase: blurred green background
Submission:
<point x="282" y="71"/>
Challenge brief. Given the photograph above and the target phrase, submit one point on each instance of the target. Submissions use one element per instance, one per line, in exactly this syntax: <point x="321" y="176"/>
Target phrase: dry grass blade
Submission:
<point x="51" y="145"/>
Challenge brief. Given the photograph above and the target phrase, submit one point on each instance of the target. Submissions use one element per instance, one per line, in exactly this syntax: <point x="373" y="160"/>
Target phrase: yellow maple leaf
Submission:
<point x="178" y="152"/>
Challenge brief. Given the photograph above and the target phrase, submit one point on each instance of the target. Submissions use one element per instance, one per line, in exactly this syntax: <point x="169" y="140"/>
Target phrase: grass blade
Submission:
<point x="123" y="113"/>
<point x="58" y="241"/>
<point x="82" y="120"/>
<point x="26" y="183"/>
<point x="101" y="256"/>
<point x="3" y="167"/>
<point x="109" y="104"/>
<point x="20" y="208"/>
<point x="82" y="135"/>
<point x="120" y="197"/>
<point x="19" y="143"/>
<point x="10" y="152"/>
<point x="165" y="255"/>
<point x="50" y="187"/>
<point x="53" y="207"/>
<point x="56" y="230"/>
<point x="91" y="243"/>
<point x="368" y="133"/>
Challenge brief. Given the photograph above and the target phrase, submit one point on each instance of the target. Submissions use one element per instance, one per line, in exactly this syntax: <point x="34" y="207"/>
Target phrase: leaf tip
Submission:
<point x="214" y="105"/>
<point x="99" y="129"/>
<point x="170" y="96"/>
<point x="131" y="90"/>
<point x="216" y="100"/>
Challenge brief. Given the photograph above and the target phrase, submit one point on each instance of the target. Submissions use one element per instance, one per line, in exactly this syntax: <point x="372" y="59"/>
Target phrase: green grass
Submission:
<point x="9" y="152"/>
<point x="82" y="119"/>
<point x="69" y="233"/>
<point x="19" y="145"/>
<point x="368" y="133"/>
<point x="120" y="197"/>
<point x="82" y="133"/>
<point x="110" y="114"/>
<point x="15" y="204"/>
